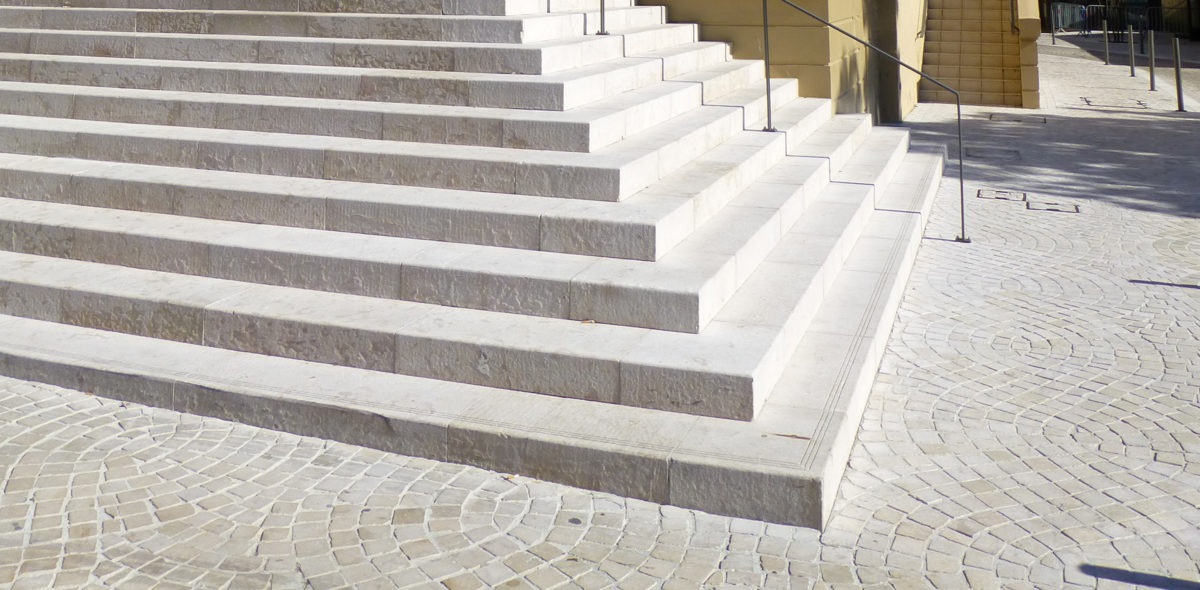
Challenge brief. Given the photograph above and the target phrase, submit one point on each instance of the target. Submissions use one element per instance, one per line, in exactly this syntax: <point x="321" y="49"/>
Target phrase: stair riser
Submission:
<point x="781" y="94"/>
<point x="475" y="7"/>
<point x="483" y="59"/>
<point x="737" y="78"/>
<point x="232" y="318"/>
<point x="467" y="29"/>
<point x="347" y="84"/>
<point x="676" y="65"/>
<point x="620" y="20"/>
<point x="583" y="5"/>
<point x="250" y="116"/>
<point x="670" y="35"/>
<point x="879" y="176"/>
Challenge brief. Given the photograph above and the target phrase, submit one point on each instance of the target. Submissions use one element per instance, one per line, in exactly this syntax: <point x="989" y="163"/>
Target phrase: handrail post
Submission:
<point x="603" y="18"/>
<point x="962" y="183"/>
<point x="767" y="67"/>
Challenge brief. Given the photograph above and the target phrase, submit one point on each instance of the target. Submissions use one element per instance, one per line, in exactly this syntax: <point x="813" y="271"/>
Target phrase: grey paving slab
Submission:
<point x="1035" y="423"/>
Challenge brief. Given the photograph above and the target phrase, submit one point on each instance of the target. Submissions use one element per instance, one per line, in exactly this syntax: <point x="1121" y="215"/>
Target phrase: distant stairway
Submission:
<point x="971" y="46"/>
<point x="470" y="230"/>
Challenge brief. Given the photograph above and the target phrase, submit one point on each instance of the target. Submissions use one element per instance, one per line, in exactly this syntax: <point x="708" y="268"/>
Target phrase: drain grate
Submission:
<point x="991" y="153"/>
<point x="1123" y="103"/>
<point x="1000" y="195"/>
<point x="1046" y="206"/>
<point x="1008" y="118"/>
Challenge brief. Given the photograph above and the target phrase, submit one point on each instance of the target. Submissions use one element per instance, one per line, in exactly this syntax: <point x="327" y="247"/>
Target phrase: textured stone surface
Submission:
<point x="1036" y="424"/>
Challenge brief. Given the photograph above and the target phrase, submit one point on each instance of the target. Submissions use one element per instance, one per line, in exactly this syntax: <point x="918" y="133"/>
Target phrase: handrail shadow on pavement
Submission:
<point x="1137" y="578"/>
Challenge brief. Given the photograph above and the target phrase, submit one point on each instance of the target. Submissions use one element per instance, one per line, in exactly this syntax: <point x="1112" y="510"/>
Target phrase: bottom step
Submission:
<point x="783" y="467"/>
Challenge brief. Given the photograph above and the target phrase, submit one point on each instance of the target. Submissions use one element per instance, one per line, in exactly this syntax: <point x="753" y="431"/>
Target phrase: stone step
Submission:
<point x="496" y="58"/>
<point x="610" y="174"/>
<point x="681" y="292"/>
<point x="585" y="129"/>
<point x="694" y="373"/>
<point x="528" y="28"/>
<point x="473" y="7"/>
<point x="723" y="371"/>
<point x="560" y="91"/>
<point x="500" y="58"/>
<point x="783" y="467"/>
<point x="643" y="227"/>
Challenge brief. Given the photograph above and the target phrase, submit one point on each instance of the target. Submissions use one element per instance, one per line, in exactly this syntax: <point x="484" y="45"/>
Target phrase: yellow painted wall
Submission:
<point x="826" y="63"/>
<point x="910" y="42"/>
<point x="1029" y="21"/>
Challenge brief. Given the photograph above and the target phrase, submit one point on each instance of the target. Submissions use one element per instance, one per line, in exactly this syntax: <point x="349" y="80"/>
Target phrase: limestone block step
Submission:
<point x="753" y="101"/>
<point x="877" y="158"/>
<point x="643" y="227"/>
<point x="609" y="448"/>
<point x="558" y="91"/>
<point x="784" y="466"/>
<point x="681" y="292"/>
<point x="664" y="370"/>
<point x="724" y="79"/>
<point x="529" y="28"/>
<point x="499" y="58"/>
<point x="610" y="174"/>
<point x="823" y="392"/>
<point x="570" y="359"/>
<point x="584" y="129"/>
<point x="464" y="7"/>
<point x="836" y="141"/>
<point x="648" y="39"/>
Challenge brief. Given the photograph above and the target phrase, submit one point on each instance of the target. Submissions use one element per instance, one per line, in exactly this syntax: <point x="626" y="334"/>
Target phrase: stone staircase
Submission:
<point x="470" y="230"/>
<point x="971" y="46"/>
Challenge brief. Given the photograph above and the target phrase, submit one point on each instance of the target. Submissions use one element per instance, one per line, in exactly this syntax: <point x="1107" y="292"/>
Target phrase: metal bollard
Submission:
<point x="1152" y="60"/>
<point x="1132" y="57"/>
<point x="1178" y="74"/>
<point x="603" y="25"/>
<point x="1107" y="61"/>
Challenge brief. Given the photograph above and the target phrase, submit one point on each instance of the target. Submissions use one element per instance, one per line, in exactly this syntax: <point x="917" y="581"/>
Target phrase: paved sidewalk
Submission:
<point x="1036" y="423"/>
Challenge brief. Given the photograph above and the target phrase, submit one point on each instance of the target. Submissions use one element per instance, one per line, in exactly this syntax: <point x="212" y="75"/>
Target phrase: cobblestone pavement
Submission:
<point x="1036" y="424"/>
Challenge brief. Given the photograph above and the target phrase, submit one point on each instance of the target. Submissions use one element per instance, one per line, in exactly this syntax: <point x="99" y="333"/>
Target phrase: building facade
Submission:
<point x="983" y="48"/>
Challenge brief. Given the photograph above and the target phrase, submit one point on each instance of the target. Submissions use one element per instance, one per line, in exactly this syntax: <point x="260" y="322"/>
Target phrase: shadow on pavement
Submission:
<point x="1137" y="578"/>
<point x="1161" y="284"/>
<point x="1146" y="160"/>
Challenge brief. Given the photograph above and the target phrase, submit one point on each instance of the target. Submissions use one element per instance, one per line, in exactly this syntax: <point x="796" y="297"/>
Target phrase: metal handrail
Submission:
<point x="962" y="185"/>
<point x="1012" y="15"/>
